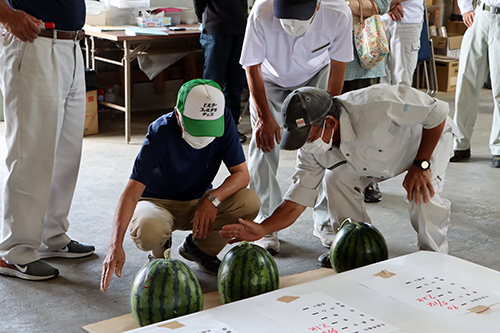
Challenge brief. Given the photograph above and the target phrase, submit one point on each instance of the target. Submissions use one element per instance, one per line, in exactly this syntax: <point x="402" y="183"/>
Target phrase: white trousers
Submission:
<point x="430" y="220"/>
<point x="263" y="167"/>
<point x="404" y="43"/>
<point x="479" y="52"/>
<point x="44" y="103"/>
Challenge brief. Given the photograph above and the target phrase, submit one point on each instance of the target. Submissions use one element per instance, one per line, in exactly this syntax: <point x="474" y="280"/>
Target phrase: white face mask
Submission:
<point x="295" y="27"/>
<point x="197" y="142"/>
<point x="318" y="146"/>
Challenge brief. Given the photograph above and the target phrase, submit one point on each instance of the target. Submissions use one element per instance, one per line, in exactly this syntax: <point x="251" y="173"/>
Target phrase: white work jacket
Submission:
<point x="380" y="131"/>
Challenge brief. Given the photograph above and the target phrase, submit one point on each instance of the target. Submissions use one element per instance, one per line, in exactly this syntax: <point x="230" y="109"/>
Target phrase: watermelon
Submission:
<point x="164" y="289"/>
<point x="357" y="244"/>
<point x="247" y="270"/>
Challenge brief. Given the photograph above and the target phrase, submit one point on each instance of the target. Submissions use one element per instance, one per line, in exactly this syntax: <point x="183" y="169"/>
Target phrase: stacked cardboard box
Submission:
<point x="447" y="73"/>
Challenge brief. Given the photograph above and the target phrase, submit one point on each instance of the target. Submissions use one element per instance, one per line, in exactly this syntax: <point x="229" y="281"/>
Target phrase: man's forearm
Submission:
<point x="336" y="79"/>
<point x="430" y="138"/>
<point x="258" y="91"/>
<point x="283" y="217"/>
<point x="237" y="180"/>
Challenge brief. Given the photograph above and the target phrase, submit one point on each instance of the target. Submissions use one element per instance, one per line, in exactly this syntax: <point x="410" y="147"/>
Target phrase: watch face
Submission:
<point x="425" y="165"/>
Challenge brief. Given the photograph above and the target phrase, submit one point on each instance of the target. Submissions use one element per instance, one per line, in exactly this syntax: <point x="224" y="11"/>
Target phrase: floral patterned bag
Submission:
<point x="370" y="40"/>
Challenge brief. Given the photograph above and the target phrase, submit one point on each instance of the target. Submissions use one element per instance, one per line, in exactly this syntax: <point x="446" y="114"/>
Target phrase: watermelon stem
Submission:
<point x="166" y="254"/>
<point x="349" y="221"/>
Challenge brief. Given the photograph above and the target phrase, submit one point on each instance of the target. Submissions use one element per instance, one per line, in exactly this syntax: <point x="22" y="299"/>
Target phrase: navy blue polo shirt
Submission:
<point x="66" y="14"/>
<point x="171" y="169"/>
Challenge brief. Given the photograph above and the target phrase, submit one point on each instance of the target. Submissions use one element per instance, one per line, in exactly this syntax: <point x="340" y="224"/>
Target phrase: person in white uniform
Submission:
<point x="43" y="84"/>
<point x="478" y="54"/>
<point x="377" y="133"/>
<point x="403" y="24"/>
<point x="290" y="44"/>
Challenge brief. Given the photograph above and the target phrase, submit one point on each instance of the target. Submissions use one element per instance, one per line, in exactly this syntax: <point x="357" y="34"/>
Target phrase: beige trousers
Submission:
<point x="154" y="220"/>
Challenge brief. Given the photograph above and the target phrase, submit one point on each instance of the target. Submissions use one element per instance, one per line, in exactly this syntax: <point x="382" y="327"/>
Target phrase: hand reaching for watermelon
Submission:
<point x="243" y="231"/>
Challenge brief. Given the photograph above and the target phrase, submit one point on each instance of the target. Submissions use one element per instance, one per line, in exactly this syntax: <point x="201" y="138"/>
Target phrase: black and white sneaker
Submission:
<point x="35" y="271"/>
<point x="73" y="250"/>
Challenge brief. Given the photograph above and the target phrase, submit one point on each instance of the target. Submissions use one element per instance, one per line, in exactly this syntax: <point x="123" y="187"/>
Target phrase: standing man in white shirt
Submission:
<point x="403" y="24"/>
<point x="290" y="44"/>
<point x="377" y="133"/>
<point x="478" y="54"/>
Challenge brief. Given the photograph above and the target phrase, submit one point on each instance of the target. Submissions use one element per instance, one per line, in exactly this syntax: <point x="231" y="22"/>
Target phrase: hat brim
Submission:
<point x="298" y="11"/>
<point x="296" y="138"/>
<point x="196" y="127"/>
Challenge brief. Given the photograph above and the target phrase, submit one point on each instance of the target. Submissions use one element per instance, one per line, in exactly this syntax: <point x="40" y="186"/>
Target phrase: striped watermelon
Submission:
<point x="247" y="270"/>
<point x="164" y="289"/>
<point x="357" y="244"/>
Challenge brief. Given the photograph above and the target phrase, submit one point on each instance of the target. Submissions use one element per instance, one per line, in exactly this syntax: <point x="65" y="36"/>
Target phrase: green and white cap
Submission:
<point x="201" y="104"/>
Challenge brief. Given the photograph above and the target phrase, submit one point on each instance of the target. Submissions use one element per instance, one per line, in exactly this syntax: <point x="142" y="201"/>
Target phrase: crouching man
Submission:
<point x="171" y="183"/>
<point x="346" y="142"/>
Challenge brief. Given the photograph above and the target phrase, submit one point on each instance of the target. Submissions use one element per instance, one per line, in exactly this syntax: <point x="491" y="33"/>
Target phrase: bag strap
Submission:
<point x="361" y="10"/>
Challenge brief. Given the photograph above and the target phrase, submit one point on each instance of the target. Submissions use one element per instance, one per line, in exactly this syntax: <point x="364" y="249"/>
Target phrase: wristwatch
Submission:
<point x="214" y="201"/>
<point x="422" y="164"/>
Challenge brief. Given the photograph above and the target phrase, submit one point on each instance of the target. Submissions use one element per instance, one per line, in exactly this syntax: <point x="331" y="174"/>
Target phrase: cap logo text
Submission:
<point x="300" y="122"/>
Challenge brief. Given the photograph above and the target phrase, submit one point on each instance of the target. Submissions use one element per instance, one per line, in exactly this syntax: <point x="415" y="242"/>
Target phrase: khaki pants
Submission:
<point x="154" y="220"/>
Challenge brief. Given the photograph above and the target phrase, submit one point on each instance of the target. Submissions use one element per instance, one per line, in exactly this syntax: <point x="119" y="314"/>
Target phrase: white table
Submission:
<point x="345" y="287"/>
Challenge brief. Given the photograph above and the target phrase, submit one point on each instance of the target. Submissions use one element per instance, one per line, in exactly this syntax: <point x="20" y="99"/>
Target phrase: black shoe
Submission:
<point x="167" y="245"/>
<point x="495" y="161"/>
<point x="188" y="250"/>
<point x="460" y="155"/>
<point x="324" y="260"/>
<point x="73" y="250"/>
<point x="33" y="271"/>
<point x="372" y="193"/>
<point x="243" y="137"/>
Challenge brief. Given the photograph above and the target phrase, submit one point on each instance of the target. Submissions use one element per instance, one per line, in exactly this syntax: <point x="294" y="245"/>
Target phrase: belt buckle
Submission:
<point x="494" y="10"/>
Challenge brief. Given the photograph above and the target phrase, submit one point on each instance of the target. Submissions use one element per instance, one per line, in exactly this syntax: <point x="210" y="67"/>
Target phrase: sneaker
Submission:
<point x="35" y="271"/>
<point x="73" y="250"/>
<point x="324" y="260"/>
<point x="190" y="251"/>
<point x="167" y="245"/>
<point x="372" y="193"/>
<point x="325" y="234"/>
<point x="270" y="242"/>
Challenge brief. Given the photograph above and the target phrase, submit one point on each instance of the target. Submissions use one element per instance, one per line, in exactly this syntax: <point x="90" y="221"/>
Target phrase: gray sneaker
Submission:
<point x="270" y="242"/>
<point x="73" y="250"/>
<point x="35" y="271"/>
<point x="325" y="234"/>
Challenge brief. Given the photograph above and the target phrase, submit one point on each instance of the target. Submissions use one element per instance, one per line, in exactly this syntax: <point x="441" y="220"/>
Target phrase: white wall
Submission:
<point x="171" y="3"/>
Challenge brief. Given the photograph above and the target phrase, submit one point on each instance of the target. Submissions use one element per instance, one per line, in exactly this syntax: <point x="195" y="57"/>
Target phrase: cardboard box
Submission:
<point x="447" y="46"/>
<point x="91" y="115"/>
<point x="447" y="73"/>
<point x="456" y="27"/>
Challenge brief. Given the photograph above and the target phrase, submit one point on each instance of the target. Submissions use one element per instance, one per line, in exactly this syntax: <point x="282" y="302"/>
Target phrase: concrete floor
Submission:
<point x="73" y="300"/>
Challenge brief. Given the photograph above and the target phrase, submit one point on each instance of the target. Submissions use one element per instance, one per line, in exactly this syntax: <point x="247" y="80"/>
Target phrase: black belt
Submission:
<point x="59" y="34"/>
<point x="491" y="9"/>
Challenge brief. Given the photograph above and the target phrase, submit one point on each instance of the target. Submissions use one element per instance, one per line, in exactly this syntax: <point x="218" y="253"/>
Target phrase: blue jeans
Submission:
<point x="222" y="65"/>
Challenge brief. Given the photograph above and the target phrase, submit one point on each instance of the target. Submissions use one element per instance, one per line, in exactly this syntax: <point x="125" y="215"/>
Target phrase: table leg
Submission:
<point x="126" y="66"/>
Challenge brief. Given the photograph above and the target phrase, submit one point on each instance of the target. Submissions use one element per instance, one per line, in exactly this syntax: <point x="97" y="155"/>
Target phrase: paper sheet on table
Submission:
<point x="442" y="296"/>
<point x="320" y="313"/>
<point x="202" y="324"/>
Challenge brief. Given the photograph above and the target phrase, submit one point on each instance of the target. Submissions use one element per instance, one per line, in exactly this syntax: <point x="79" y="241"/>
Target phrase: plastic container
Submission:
<point x="109" y="96"/>
<point x="96" y="13"/>
<point x="172" y="12"/>
<point x="188" y="16"/>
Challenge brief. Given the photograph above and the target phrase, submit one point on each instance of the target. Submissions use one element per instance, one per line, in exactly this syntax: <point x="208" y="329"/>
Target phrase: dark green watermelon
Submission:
<point x="357" y="244"/>
<point x="164" y="289"/>
<point x="247" y="270"/>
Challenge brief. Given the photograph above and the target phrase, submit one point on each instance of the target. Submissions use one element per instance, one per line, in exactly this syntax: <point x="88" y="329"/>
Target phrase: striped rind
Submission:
<point x="247" y="270"/>
<point x="164" y="289"/>
<point x="356" y="245"/>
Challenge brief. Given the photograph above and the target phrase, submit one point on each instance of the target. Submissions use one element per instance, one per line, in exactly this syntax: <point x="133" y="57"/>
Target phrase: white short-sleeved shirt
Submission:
<point x="413" y="11"/>
<point x="289" y="61"/>
<point x="467" y="5"/>
<point x="380" y="131"/>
